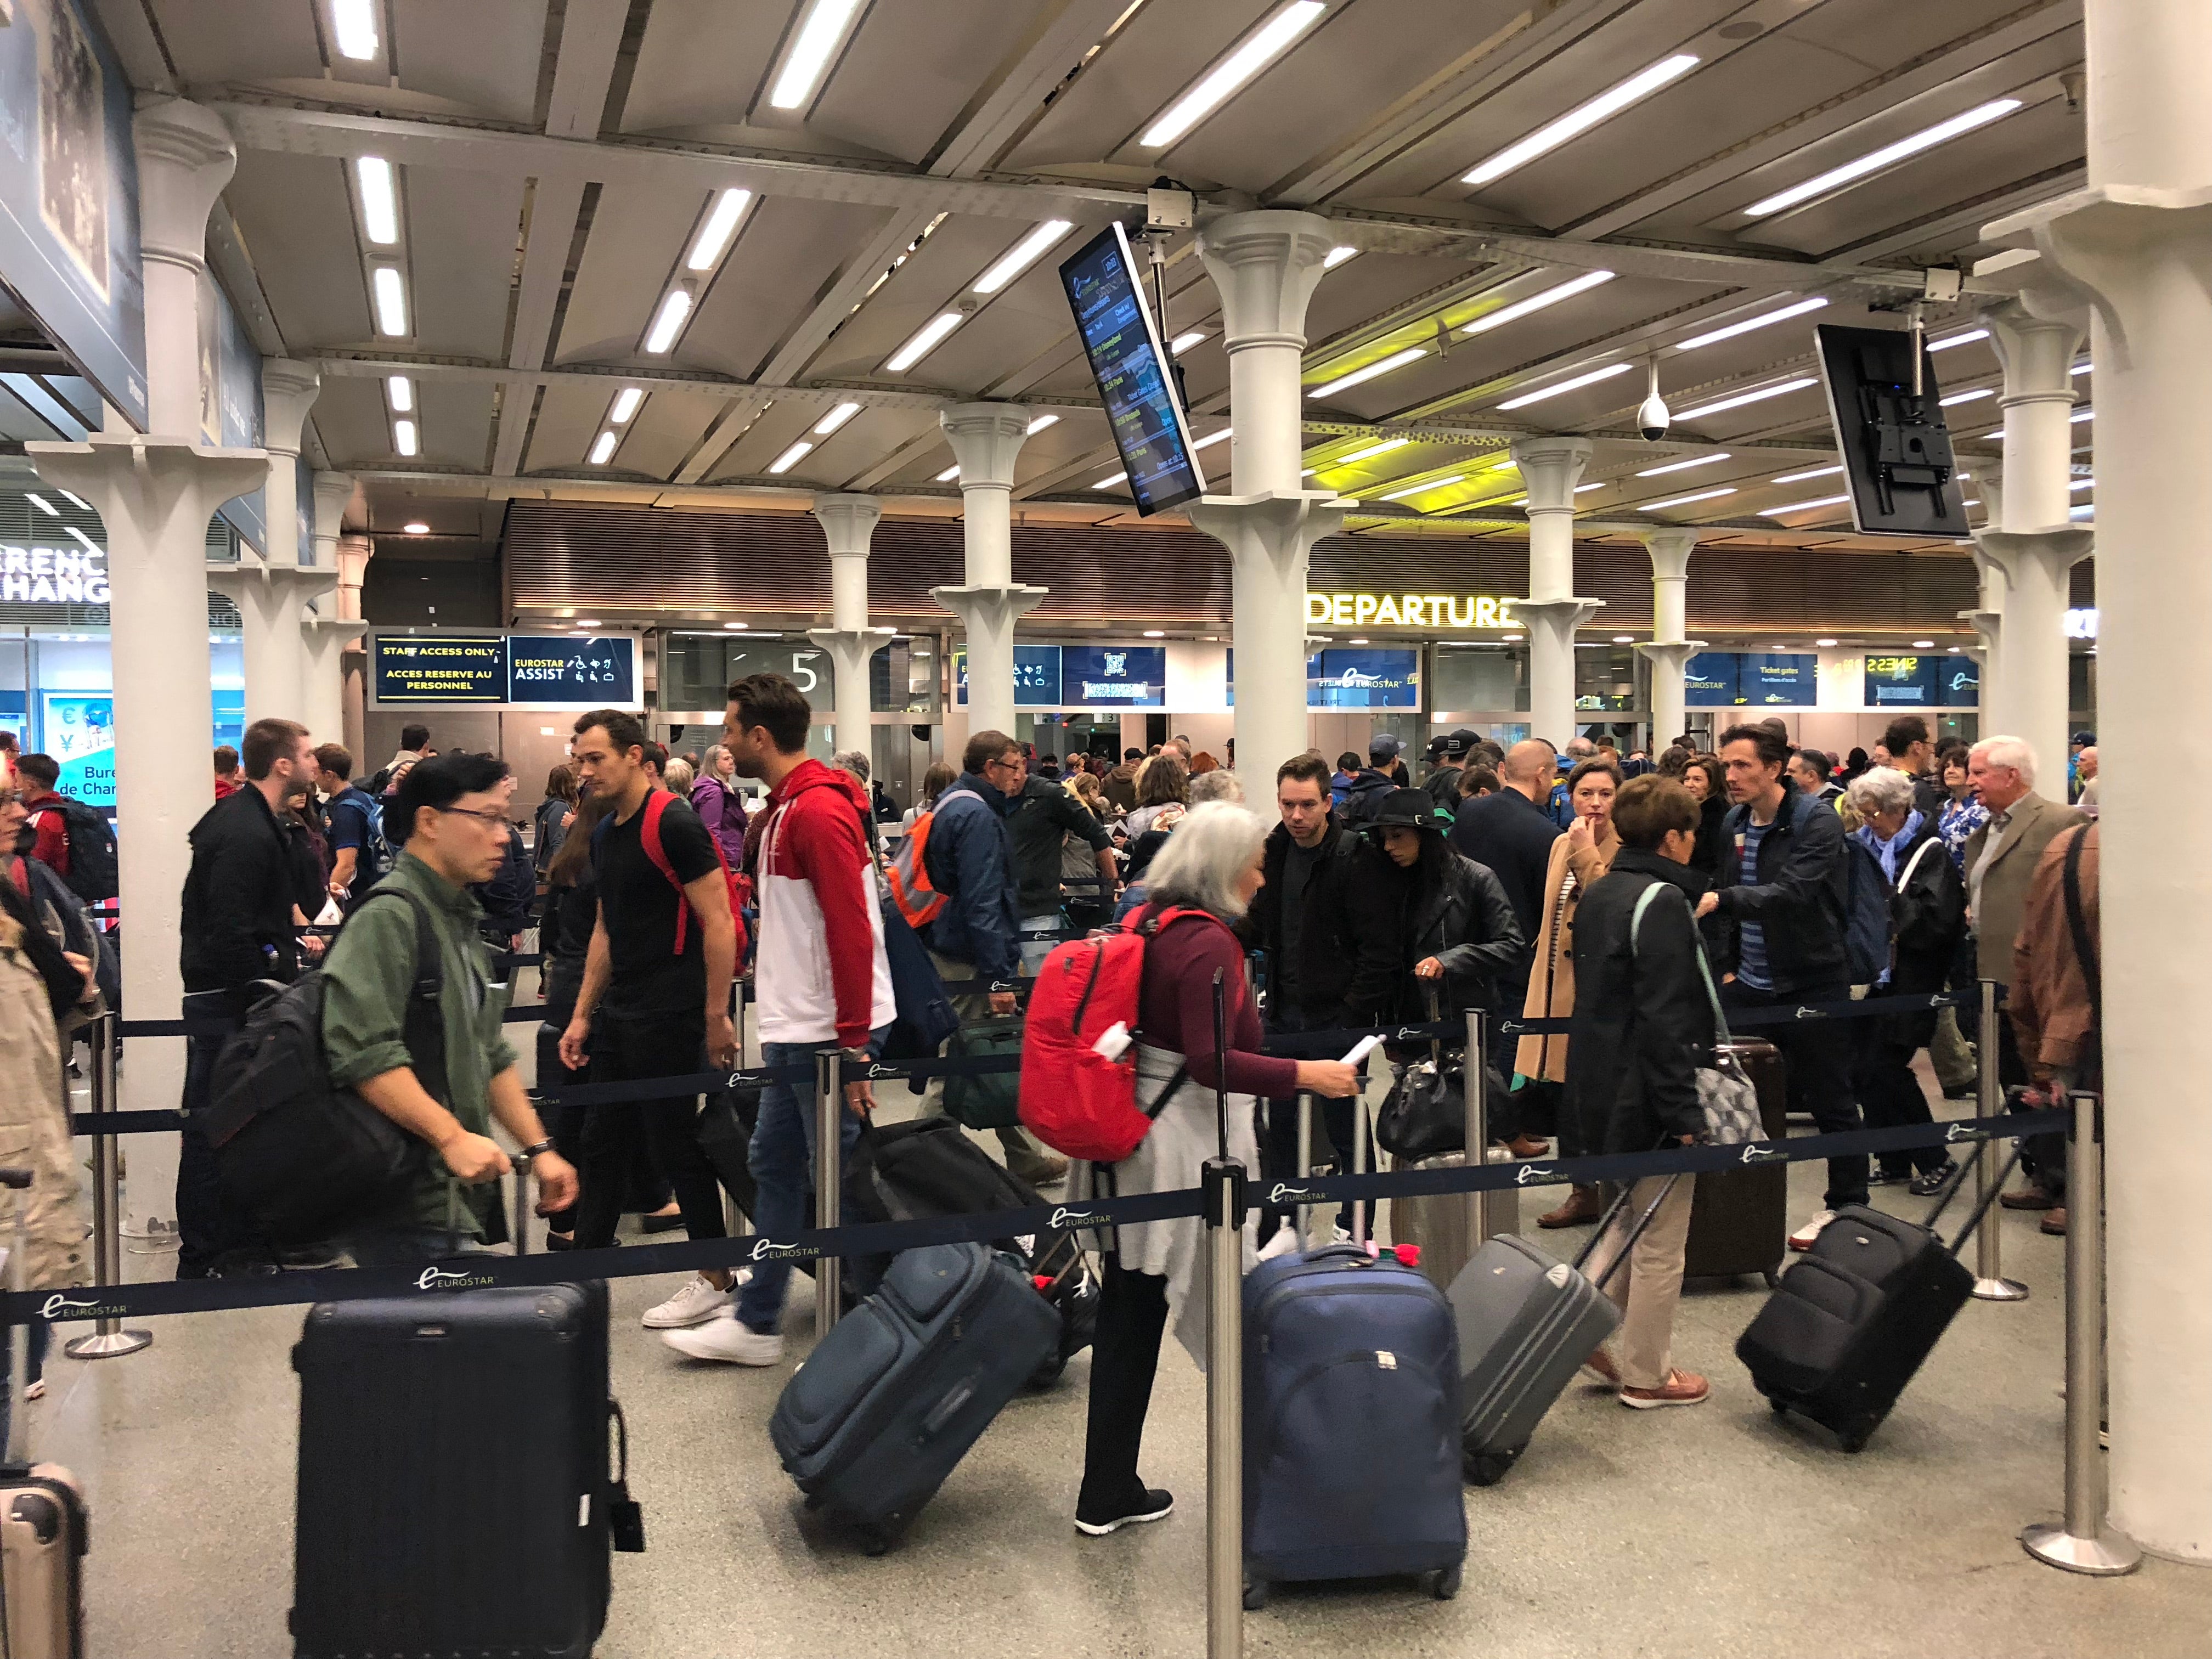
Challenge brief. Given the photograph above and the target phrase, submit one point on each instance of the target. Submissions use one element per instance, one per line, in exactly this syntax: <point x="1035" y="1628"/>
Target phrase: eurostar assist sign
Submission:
<point x="1409" y="610"/>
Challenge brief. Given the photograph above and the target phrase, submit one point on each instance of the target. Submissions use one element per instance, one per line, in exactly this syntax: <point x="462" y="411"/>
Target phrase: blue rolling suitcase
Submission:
<point x="890" y="1401"/>
<point x="1352" y="1423"/>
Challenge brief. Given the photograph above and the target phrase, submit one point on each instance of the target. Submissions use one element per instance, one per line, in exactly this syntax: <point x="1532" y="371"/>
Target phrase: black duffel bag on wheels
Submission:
<point x="306" y="1158"/>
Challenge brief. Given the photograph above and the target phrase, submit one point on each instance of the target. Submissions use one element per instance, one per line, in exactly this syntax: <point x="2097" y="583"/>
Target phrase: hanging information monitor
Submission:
<point x="1131" y="366"/>
<point x="1895" y="446"/>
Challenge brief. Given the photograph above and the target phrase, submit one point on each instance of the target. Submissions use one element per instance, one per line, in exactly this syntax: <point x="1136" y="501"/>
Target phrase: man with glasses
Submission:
<point x="448" y="821"/>
<point x="976" y="939"/>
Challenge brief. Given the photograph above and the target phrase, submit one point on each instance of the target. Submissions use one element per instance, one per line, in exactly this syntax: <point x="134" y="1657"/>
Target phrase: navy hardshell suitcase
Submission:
<point x="892" y="1398"/>
<point x="1352" y="1423"/>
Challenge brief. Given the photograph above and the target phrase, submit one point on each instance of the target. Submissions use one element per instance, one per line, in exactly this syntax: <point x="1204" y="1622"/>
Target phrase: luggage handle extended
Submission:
<point x="1221" y="1061"/>
<point x="1612" y="1212"/>
<point x="1982" y="1205"/>
<point x="1436" y="1043"/>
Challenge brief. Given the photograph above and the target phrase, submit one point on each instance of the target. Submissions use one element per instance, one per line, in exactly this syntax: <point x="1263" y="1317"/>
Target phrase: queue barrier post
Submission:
<point x="2080" y="1542"/>
<point x="829" y="1158"/>
<point x="1302" y="1217"/>
<point x="1989" y="1283"/>
<point x="1224" y="1182"/>
<point x="108" y="1339"/>
<point x="1489" y="1213"/>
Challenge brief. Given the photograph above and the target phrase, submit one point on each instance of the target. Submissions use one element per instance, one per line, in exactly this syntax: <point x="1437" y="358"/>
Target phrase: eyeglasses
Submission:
<point x="485" y="815"/>
<point x="1013" y="765"/>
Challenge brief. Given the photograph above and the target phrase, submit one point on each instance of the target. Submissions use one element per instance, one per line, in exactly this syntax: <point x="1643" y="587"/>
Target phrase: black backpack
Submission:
<point x="92" y="873"/>
<point x="305" y="1159"/>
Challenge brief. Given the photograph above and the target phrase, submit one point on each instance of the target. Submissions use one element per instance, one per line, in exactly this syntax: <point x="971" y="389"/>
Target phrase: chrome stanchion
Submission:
<point x="1989" y="1283"/>
<point x="1489" y="1213"/>
<point x="108" y="1339"/>
<point x="1223" y="1179"/>
<point x="1359" y="1145"/>
<point x="1302" y="1217"/>
<point x="2079" y="1543"/>
<point x="829" y="1157"/>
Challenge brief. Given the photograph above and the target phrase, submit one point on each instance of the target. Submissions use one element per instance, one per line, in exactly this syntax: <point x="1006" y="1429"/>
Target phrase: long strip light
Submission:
<point x="1573" y="384"/>
<point x="1928" y="138"/>
<point x="1108" y="483"/>
<point x="808" y="60"/>
<point x="1809" y="472"/>
<point x="1370" y="452"/>
<point x="1746" y="326"/>
<point x="1950" y="340"/>
<point x="1337" y="256"/>
<point x="86" y="542"/>
<point x="836" y="418"/>
<point x="1415" y="489"/>
<point x="79" y="500"/>
<point x="41" y="503"/>
<point x="721" y="224"/>
<point x="1184" y="341"/>
<point x="604" y="450"/>
<point x="1582" y="118"/>
<point x="389" y="291"/>
<point x="353" y="23"/>
<point x="1535" y="302"/>
<point x="380" y="201"/>
<point x="1021" y="255"/>
<point x="949" y="474"/>
<point x="1213" y="438"/>
<point x="1760" y="395"/>
<point x="403" y="437"/>
<point x="1037" y="426"/>
<point x="401" y="391"/>
<point x="1381" y="366"/>
<point x="925" y="340"/>
<point x="1972" y="397"/>
<point x="1257" y="50"/>
<point x="668" y="321"/>
<point x="2081" y="484"/>
<point x="626" y="403"/>
<point x="790" y="457"/>
<point x="1684" y="466"/>
<point x="1684" y="501"/>
<point x="1802" y="507"/>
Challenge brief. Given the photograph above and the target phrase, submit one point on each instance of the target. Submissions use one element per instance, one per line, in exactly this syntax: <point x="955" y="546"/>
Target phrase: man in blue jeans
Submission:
<point x="821" y="980"/>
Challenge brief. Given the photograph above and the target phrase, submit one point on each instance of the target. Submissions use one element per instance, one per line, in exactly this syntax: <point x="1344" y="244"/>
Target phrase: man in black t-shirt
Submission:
<point x="655" y="1001"/>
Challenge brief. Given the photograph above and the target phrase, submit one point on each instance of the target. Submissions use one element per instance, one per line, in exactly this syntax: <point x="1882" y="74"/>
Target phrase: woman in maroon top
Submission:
<point x="1211" y="863"/>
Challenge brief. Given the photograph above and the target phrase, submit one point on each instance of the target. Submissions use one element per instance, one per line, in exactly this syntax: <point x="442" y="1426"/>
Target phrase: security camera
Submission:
<point x="1651" y="416"/>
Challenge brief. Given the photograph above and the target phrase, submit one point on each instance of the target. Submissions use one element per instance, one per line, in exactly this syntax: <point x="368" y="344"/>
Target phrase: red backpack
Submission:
<point x="648" y="836"/>
<point x="1074" y="1098"/>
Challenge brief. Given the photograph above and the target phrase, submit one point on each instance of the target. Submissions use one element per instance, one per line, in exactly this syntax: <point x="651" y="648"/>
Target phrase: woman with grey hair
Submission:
<point x="1928" y="915"/>
<point x="1211" y="864"/>
<point x="714" y="798"/>
<point x="1220" y="784"/>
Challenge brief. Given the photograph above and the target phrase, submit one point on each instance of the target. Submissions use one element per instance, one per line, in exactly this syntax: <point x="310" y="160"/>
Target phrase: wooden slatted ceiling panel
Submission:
<point x="563" y="554"/>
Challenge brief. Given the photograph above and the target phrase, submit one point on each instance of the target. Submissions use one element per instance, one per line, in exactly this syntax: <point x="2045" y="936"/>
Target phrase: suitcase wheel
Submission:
<point x="877" y="1541"/>
<point x="1443" y="1583"/>
<point x="1488" y="1469"/>
<point x="1853" y="1442"/>
<point x="1773" y="1280"/>
<point x="1779" y="1408"/>
<point x="1256" y="1591"/>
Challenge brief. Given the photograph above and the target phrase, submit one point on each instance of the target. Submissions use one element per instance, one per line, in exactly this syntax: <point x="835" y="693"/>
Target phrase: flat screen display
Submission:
<point x="1036" y="675"/>
<point x="1709" y="679"/>
<point x="1959" y="682"/>
<point x="1901" y="681"/>
<point x="1779" y="679"/>
<point x="595" y="673"/>
<point x="1114" y="676"/>
<point x="1371" y="678"/>
<point x="438" y="668"/>
<point x="1135" y="381"/>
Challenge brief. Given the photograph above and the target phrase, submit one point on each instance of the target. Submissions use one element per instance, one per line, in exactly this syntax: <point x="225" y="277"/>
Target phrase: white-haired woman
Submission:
<point x="1211" y="864"/>
<point x="714" y="798"/>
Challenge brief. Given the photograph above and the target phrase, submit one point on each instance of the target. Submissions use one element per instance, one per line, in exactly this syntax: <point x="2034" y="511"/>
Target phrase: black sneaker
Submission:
<point x="1155" y="1505"/>
<point x="1934" y="1181"/>
<point x="1890" y="1177"/>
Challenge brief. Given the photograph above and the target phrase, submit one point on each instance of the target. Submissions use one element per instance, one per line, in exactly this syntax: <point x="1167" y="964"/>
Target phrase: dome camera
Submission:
<point x="1651" y="416"/>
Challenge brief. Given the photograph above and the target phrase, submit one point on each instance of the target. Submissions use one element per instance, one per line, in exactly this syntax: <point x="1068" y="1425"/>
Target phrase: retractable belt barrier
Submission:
<point x="630" y="1261"/>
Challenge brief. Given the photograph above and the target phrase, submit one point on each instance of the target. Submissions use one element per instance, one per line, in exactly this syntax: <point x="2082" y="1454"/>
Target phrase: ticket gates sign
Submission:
<point x="1408" y="610"/>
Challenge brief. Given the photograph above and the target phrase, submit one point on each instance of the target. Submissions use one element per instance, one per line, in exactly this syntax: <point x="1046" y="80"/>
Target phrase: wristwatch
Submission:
<point x="860" y="1057"/>
<point x="533" y="1151"/>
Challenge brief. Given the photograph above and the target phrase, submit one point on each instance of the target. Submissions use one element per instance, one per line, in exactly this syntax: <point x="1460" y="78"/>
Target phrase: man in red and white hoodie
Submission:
<point x="820" y="980"/>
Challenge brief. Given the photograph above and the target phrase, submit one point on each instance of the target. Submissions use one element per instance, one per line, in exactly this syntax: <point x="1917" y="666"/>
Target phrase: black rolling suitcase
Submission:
<point x="455" y="1496"/>
<point x="1854" y="1317"/>
<point x="1740" y="1218"/>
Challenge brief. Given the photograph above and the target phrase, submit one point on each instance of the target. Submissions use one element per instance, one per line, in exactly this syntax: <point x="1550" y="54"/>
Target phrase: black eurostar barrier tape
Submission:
<point x="630" y="1261"/>
<point x="126" y="1124"/>
<point x="1751" y="1018"/>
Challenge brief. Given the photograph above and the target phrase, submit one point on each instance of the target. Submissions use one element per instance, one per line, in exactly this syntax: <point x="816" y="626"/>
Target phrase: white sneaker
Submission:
<point x="696" y="1303"/>
<point x="1803" y="1237"/>
<point x="727" y="1338"/>
<point x="1284" y="1242"/>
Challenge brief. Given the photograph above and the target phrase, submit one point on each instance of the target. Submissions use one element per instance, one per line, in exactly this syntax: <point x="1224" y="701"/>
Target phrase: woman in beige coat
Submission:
<point x="1578" y="857"/>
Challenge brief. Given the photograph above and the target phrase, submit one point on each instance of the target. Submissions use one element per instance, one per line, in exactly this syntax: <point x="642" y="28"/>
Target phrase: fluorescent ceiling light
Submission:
<point x="1184" y="341"/>
<point x="2078" y="483"/>
<point x="1970" y="500"/>
<point x="1257" y="50"/>
<point x="87" y="542"/>
<point x="2079" y="416"/>
<point x="1835" y="178"/>
<point x="1415" y="489"/>
<point x="809" y="57"/>
<point x="1760" y="395"/>
<point x="1802" y="507"/>
<point x="1370" y="452"/>
<point x="353" y="23"/>
<point x="1600" y="484"/>
<point x="2079" y="369"/>
<point x="1213" y="438"/>
<point x="1337" y="256"/>
<point x="1021" y="255"/>
<point x="1950" y="340"/>
<point x="1973" y="396"/>
<point x="626" y="403"/>
<point x="836" y="418"/>
<point x="1039" y="425"/>
<point x="1923" y="644"/>
<point x="1361" y="376"/>
<point x="416" y="527"/>
<point x="721" y="225"/>
<point x="1684" y="466"/>
<point x="1824" y="642"/>
<point x="668" y="321"/>
<point x="604" y="450"/>
<point x="1624" y="639"/>
<point x="401" y="391"/>
<point x="1811" y="472"/>
<point x="1582" y="118"/>
<point x="790" y="457"/>
<point x="736" y="624"/>
<point x="1108" y="483"/>
<point x="1156" y="633"/>
<point x="2088" y="509"/>
<point x="390" y="293"/>
<point x="926" y="339"/>
<point x="79" y="500"/>
<point x="41" y="503"/>
<point x="1684" y="501"/>
<point x="1573" y="384"/>
<point x="1534" y="302"/>
<point x="1748" y="326"/>
<point x="403" y="437"/>
<point x="379" y="202"/>
<point x="949" y="474"/>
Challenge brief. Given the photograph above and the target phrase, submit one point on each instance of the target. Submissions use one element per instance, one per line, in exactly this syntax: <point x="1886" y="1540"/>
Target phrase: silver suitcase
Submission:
<point x="1441" y="1225"/>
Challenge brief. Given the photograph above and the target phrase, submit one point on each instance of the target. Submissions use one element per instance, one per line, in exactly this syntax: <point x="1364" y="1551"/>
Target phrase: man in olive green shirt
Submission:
<point x="449" y="823"/>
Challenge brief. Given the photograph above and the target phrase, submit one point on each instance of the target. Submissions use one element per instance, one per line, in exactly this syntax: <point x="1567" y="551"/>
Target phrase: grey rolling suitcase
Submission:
<point x="43" y="1519"/>
<point x="1525" y="1324"/>
<point x="1439" y="1223"/>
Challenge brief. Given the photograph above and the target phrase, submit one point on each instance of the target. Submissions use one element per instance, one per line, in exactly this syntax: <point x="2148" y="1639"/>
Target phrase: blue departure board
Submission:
<point x="1135" y="381"/>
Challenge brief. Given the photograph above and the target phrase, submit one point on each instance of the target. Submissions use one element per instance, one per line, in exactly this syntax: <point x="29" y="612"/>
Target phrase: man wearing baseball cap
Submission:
<point x="1447" y="753"/>
<point x="1373" y="780"/>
